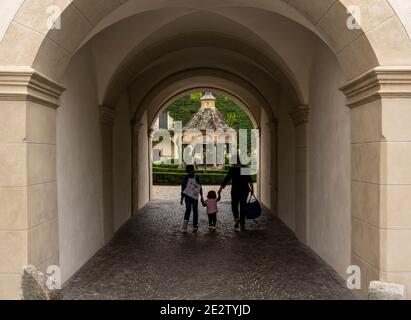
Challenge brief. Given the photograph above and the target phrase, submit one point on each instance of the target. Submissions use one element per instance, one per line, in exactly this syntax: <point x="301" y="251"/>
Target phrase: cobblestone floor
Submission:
<point x="151" y="259"/>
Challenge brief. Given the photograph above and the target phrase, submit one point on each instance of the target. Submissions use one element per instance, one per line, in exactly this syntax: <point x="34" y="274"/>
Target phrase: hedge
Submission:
<point x="177" y="166"/>
<point x="174" y="178"/>
<point x="164" y="165"/>
<point x="172" y="170"/>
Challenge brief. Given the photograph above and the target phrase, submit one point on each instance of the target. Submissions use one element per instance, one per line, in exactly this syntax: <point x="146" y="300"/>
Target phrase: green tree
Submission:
<point x="231" y="118"/>
<point x="237" y="118"/>
<point x="184" y="109"/>
<point x="196" y="96"/>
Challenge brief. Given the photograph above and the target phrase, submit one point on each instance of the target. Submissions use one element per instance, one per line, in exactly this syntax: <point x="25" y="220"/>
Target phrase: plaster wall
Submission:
<point x="8" y="10"/>
<point x="329" y="165"/>
<point x="79" y="167"/>
<point x="122" y="163"/>
<point x="403" y="10"/>
<point x="286" y="165"/>
<point x="287" y="44"/>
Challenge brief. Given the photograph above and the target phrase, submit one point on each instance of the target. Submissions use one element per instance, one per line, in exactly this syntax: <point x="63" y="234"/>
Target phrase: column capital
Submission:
<point x="107" y="115"/>
<point x="300" y="115"/>
<point x="272" y="124"/>
<point x="136" y="126"/>
<point x="151" y="133"/>
<point x="26" y="84"/>
<point x="380" y="82"/>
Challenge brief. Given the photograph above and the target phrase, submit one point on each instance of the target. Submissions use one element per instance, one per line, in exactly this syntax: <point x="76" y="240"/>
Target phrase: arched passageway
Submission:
<point x="330" y="101"/>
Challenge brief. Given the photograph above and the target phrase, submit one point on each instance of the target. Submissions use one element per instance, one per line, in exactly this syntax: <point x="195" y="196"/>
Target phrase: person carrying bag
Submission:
<point x="253" y="208"/>
<point x="242" y="185"/>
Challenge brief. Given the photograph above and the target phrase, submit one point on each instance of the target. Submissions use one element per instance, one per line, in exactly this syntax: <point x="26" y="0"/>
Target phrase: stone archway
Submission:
<point x="179" y="84"/>
<point x="376" y="63"/>
<point x="328" y="18"/>
<point x="249" y="111"/>
<point x="220" y="91"/>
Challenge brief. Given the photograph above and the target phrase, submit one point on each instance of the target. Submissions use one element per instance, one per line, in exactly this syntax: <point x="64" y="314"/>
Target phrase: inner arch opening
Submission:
<point x="188" y="109"/>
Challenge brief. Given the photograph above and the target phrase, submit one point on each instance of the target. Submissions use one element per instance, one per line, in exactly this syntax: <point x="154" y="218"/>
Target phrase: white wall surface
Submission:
<point x="130" y="33"/>
<point x="286" y="165"/>
<point x="330" y="165"/>
<point x="79" y="167"/>
<point x="122" y="164"/>
<point x="403" y="10"/>
<point x="8" y="10"/>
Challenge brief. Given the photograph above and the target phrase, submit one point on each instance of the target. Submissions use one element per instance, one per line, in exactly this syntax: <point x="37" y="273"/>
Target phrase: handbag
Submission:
<point x="193" y="189"/>
<point x="253" y="208"/>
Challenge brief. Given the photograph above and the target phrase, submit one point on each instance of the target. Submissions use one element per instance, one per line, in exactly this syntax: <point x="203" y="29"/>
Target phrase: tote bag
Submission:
<point x="253" y="209"/>
<point x="193" y="189"/>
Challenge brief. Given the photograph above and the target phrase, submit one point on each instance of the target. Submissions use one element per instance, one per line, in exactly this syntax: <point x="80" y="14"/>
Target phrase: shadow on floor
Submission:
<point x="150" y="258"/>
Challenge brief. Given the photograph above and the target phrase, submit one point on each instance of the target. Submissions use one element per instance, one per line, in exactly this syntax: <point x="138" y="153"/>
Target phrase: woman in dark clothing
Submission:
<point x="191" y="189"/>
<point x="242" y="184"/>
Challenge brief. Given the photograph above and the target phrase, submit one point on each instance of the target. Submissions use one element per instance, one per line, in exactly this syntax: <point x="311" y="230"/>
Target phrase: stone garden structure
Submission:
<point x="208" y="130"/>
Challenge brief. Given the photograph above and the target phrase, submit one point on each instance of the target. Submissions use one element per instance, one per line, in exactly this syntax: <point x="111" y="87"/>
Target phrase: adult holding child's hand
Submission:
<point x="242" y="185"/>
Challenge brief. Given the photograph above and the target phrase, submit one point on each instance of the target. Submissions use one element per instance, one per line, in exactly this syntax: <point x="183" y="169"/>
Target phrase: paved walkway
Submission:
<point x="151" y="259"/>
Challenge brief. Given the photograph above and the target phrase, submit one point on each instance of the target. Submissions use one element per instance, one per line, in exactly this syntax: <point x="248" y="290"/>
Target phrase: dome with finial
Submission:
<point x="208" y="100"/>
<point x="208" y="96"/>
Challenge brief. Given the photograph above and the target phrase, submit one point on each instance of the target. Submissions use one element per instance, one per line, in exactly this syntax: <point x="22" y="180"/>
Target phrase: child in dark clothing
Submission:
<point x="191" y="189"/>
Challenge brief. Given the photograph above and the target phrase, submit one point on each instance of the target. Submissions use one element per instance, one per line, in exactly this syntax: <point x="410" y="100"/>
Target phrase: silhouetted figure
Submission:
<point x="191" y="190"/>
<point x="212" y="209"/>
<point x="242" y="184"/>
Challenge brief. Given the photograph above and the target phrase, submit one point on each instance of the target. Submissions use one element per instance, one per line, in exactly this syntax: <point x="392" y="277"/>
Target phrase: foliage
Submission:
<point x="183" y="110"/>
<point x="186" y="107"/>
<point x="173" y="178"/>
<point x="234" y="114"/>
<point x="166" y="165"/>
<point x="196" y="96"/>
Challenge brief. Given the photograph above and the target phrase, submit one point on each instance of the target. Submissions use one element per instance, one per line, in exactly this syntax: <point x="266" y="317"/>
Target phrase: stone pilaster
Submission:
<point x="107" y="118"/>
<point x="136" y="128"/>
<point x="273" y="126"/>
<point x="28" y="178"/>
<point x="300" y="117"/>
<point x="142" y="168"/>
<point x="380" y="103"/>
